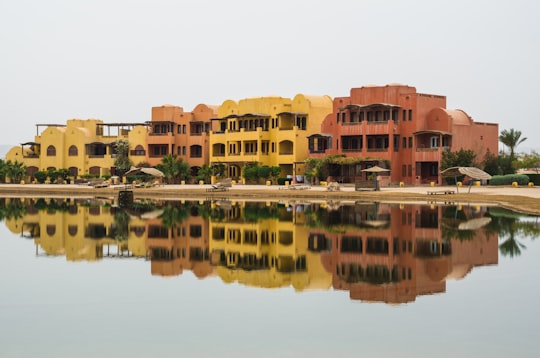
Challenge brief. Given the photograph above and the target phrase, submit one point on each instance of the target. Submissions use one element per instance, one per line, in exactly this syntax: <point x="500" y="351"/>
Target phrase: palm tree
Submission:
<point x="122" y="162"/>
<point x="511" y="138"/>
<point x="15" y="171"/>
<point x="173" y="168"/>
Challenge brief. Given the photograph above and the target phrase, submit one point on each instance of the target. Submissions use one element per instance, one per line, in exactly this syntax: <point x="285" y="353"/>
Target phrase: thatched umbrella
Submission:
<point x="375" y="169"/>
<point x="472" y="172"/>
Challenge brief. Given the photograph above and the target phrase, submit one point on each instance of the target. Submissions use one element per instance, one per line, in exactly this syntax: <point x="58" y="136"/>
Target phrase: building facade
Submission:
<point x="81" y="146"/>
<point x="184" y="134"/>
<point x="396" y="126"/>
<point x="269" y="131"/>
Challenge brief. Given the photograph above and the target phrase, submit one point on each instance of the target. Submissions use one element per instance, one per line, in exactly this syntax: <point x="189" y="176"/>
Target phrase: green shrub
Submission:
<point x="281" y="181"/>
<point x="535" y="178"/>
<point x="40" y="176"/>
<point x="508" y="179"/>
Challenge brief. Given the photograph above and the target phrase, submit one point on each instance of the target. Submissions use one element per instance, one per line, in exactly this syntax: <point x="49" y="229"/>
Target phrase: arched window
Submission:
<point x="51" y="230"/>
<point x="72" y="230"/>
<point x="51" y="151"/>
<point x="73" y="151"/>
<point x="139" y="150"/>
<point x="94" y="170"/>
<point x="73" y="171"/>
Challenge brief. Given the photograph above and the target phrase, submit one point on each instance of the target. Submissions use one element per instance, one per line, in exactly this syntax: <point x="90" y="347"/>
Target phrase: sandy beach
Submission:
<point x="522" y="199"/>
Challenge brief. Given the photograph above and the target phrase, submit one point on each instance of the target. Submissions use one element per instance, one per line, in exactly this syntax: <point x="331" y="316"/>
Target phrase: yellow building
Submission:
<point x="82" y="146"/>
<point x="270" y="131"/>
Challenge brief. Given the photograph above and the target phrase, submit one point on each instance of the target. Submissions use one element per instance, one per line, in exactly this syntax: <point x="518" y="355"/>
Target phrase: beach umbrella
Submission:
<point x="472" y="172"/>
<point x="474" y="224"/>
<point x="375" y="169"/>
<point x="150" y="171"/>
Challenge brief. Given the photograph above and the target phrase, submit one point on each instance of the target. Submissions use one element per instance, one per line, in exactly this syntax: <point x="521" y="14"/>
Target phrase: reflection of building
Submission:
<point x="271" y="131"/>
<point x="378" y="252"/>
<point x="80" y="230"/>
<point x="394" y="123"/>
<point x="177" y="245"/>
<point x="265" y="245"/>
<point x="81" y="146"/>
<point x="392" y="254"/>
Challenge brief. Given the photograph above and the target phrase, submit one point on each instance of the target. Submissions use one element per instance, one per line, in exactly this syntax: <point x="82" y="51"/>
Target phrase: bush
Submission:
<point x="281" y="181"/>
<point x="508" y="179"/>
<point x="40" y="176"/>
<point x="535" y="178"/>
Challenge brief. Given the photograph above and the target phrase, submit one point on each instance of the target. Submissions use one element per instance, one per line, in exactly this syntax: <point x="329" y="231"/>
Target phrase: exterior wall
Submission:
<point x="270" y="131"/>
<point x="180" y="133"/>
<point x="78" y="135"/>
<point x="414" y="136"/>
<point x="137" y="139"/>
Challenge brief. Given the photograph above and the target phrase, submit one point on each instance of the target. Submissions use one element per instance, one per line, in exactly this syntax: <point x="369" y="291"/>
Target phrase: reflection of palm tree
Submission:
<point x="11" y="209"/>
<point x="173" y="215"/>
<point x="509" y="227"/>
<point x="511" y="247"/>
<point x="121" y="225"/>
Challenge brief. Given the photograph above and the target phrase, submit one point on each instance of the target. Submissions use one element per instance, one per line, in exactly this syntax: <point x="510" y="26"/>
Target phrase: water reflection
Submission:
<point x="376" y="251"/>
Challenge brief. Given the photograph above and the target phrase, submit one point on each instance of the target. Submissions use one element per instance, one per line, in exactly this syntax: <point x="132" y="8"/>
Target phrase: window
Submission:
<point x="434" y="142"/>
<point x="51" y="151"/>
<point x="195" y="230"/>
<point x="404" y="142"/>
<point x="410" y="142"/>
<point x="139" y="150"/>
<point x="73" y="151"/>
<point x="72" y="230"/>
<point x="195" y="151"/>
<point x="51" y="230"/>
<point x="410" y="114"/>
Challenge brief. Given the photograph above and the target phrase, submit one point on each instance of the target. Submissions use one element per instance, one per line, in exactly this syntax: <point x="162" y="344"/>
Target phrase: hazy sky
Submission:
<point x="115" y="59"/>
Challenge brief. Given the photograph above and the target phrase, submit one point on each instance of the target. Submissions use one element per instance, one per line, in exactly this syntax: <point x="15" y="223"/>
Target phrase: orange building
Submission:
<point x="184" y="134"/>
<point x="397" y="127"/>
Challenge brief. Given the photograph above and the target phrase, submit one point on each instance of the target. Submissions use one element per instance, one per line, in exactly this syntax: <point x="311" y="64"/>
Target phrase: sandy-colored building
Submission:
<point x="81" y="146"/>
<point x="184" y="134"/>
<point x="269" y="131"/>
<point x="397" y="127"/>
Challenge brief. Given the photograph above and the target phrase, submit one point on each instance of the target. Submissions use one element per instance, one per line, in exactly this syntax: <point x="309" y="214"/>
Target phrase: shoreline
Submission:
<point x="521" y="199"/>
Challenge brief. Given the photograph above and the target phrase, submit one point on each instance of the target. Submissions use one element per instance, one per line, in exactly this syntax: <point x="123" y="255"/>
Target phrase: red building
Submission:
<point x="395" y="127"/>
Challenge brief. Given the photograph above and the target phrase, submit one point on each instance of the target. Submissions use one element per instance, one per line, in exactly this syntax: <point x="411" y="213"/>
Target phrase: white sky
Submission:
<point x="115" y="59"/>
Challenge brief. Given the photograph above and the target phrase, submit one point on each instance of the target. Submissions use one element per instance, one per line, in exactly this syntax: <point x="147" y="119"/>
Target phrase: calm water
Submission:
<point x="242" y="279"/>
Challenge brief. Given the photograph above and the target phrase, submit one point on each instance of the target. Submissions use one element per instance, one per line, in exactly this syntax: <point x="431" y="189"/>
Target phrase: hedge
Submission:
<point x="508" y="179"/>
